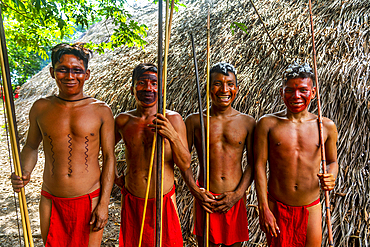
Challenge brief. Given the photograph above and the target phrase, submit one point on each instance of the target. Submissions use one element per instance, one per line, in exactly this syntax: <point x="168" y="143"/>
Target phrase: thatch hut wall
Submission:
<point x="343" y="42"/>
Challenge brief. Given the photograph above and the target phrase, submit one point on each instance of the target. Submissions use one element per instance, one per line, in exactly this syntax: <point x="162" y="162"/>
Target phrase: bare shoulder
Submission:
<point x="191" y="118"/>
<point x="102" y="108"/>
<point x="270" y="119"/>
<point x="124" y="117"/>
<point x="247" y="119"/>
<point x="41" y="105"/>
<point x="329" y="125"/>
<point x="174" y="117"/>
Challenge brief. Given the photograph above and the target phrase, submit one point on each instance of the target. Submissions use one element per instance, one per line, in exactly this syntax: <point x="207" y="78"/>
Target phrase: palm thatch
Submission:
<point x="343" y="42"/>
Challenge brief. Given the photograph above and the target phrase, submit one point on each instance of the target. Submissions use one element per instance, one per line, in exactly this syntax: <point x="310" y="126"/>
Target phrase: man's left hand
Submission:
<point x="327" y="181"/>
<point x="99" y="217"/>
<point x="225" y="201"/>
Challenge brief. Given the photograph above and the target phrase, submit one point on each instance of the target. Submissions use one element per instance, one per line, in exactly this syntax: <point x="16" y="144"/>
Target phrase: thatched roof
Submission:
<point x="343" y="42"/>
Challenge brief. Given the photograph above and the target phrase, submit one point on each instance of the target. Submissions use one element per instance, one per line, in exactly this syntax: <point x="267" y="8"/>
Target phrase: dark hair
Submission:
<point x="77" y="49"/>
<point x="141" y="69"/>
<point x="297" y="70"/>
<point x="223" y="68"/>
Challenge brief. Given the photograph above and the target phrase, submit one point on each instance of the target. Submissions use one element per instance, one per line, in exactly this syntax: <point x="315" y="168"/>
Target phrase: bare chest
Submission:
<point x="73" y="122"/>
<point x="288" y="138"/>
<point x="225" y="133"/>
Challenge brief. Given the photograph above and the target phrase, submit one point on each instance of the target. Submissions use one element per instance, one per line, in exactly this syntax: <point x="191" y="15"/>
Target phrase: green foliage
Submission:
<point x="32" y="27"/>
<point x="239" y="25"/>
<point x="176" y="6"/>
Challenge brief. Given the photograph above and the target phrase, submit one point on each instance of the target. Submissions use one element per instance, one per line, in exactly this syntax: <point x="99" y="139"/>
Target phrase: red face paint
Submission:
<point x="223" y="89"/>
<point x="297" y="94"/>
<point x="146" y="89"/>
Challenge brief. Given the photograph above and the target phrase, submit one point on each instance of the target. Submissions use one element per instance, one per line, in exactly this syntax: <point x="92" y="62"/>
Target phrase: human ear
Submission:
<point x="52" y="72"/>
<point x="87" y="76"/>
<point x="313" y="92"/>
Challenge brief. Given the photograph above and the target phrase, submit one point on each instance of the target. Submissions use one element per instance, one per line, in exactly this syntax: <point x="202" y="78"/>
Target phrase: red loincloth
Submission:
<point x="70" y="220"/>
<point x="228" y="228"/>
<point x="131" y="217"/>
<point x="292" y="222"/>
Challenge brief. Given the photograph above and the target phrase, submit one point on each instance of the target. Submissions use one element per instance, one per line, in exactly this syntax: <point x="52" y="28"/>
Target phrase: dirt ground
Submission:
<point x="8" y="214"/>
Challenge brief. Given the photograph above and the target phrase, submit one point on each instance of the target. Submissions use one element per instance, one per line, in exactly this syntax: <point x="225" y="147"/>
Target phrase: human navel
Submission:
<point x="223" y="178"/>
<point x="317" y="145"/>
<point x="278" y="144"/>
<point x="240" y="142"/>
<point x="295" y="187"/>
<point x="92" y="134"/>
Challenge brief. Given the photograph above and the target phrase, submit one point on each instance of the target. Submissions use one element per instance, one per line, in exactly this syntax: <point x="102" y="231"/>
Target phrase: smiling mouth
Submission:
<point x="224" y="97"/>
<point x="297" y="103"/>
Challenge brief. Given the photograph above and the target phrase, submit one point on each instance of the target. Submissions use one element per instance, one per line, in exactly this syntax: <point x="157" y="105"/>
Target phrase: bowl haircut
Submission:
<point x="297" y="70"/>
<point x="77" y="50"/>
<point x="141" y="69"/>
<point x="223" y="68"/>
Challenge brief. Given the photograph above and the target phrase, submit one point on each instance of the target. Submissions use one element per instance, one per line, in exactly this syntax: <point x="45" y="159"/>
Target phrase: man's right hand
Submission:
<point x="20" y="182"/>
<point x="268" y="222"/>
<point x="206" y="199"/>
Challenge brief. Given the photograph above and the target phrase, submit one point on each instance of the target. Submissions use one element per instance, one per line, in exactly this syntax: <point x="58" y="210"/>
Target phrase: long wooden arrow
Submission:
<point x="322" y="144"/>
<point x="10" y="112"/>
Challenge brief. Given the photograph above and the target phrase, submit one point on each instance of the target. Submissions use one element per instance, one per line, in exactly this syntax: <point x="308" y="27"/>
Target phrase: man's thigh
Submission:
<point x="45" y="213"/>
<point x="314" y="231"/>
<point x="95" y="237"/>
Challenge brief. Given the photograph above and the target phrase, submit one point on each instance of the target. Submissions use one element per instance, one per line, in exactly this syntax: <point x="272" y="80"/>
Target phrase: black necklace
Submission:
<point x="72" y="100"/>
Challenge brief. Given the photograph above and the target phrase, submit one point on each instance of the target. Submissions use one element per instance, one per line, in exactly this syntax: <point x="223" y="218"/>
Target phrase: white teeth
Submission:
<point x="224" y="97"/>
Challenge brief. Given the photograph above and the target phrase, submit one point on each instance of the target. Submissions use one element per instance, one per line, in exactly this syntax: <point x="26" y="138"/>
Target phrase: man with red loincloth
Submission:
<point x="16" y="92"/>
<point x="137" y="129"/>
<point x="73" y="128"/>
<point x="230" y="133"/>
<point x="289" y="204"/>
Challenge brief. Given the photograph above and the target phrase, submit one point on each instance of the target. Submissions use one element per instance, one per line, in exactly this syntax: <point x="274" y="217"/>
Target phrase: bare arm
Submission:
<point x="266" y="218"/>
<point x="100" y="215"/>
<point x="327" y="180"/>
<point x="29" y="152"/>
<point x="119" y="122"/>
<point x="175" y="132"/>
<point x="204" y="197"/>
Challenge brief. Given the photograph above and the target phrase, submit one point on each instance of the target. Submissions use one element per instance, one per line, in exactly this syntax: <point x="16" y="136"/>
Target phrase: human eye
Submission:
<point x="61" y="70"/>
<point x="78" y="71"/>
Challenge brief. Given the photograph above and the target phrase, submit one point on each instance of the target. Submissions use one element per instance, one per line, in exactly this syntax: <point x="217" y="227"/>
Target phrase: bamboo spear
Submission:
<point x="203" y="135"/>
<point x="159" y="138"/>
<point x="323" y="158"/>
<point x="168" y="26"/>
<point x="206" y="173"/>
<point x="10" y="112"/>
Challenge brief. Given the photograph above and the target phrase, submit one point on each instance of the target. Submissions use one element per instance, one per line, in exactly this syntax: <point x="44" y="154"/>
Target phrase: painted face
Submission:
<point x="223" y="89"/>
<point x="70" y="75"/>
<point x="146" y="89"/>
<point x="297" y="94"/>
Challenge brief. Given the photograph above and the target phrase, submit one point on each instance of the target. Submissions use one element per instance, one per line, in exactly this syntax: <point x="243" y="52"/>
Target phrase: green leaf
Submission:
<point x="240" y="25"/>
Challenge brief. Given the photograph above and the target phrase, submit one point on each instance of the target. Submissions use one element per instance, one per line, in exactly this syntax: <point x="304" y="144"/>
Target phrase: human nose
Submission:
<point x="224" y="88"/>
<point x="70" y="75"/>
<point x="296" y="94"/>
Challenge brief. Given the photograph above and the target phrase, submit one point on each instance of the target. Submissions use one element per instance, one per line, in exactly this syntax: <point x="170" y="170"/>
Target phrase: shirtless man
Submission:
<point x="136" y="128"/>
<point x="230" y="132"/>
<point x="290" y="212"/>
<point x="73" y="127"/>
